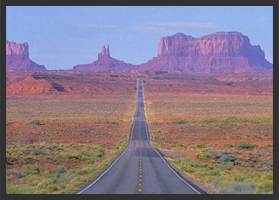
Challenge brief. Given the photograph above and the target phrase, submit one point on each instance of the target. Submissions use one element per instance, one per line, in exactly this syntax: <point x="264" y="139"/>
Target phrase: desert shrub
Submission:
<point x="227" y="158"/>
<point x="209" y="121"/>
<point x="41" y="191"/>
<point x="35" y="151"/>
<point x="238" y="188"/>
<point x="104" y="165"/>
<point x="213" y="154"/>
<point x="234" y="120"/>
<point x="26" y="159"/>
<point x="245" y="145"/>
<point x="89" y="161"/>
<point x="86" y="170"/>
<point x="243" y="120"/>
<point x="178" y="147"/>
<point x="179" y="122"/>
<point x="47" y="174"/>
<point x="228" y="145"/>
<point x="73" y="155"/>
<point x="101" y="150"/>
<point x="31" y="169"/>
<point x="121" y="143"/>
<point x="60" y="169"/>
<point x="70" y="177"/>
<point x="62" y="186"/>
<point x="156" y="144"/>
<point x="267" y="176"/>
<point x="204" y="149"/>
<point x="196" y="146"/>
<point x="263" y="121"/>
<point x="201" y="172"/>
<point x="217" y="179"/>
<point x="188" y="169"/>
<point x="214" y="172"/>
<point x="211" y="167"/>
<point x="34" y="122"/>
<point x="52" y="188"/>
<point x="44" y="183"/>
<point x="100" y="154"/>
<point x="14" y="190"/>
<point x="265" y="186"/>
<point x="241" y="163"/>
<point x="201" y="164"/>
<point x="223" y="183"/>
<point x="202" y="155"/>
<point x="87" y="153"/>
<point x="32" y="180"/>
<point x="78" y="180"/>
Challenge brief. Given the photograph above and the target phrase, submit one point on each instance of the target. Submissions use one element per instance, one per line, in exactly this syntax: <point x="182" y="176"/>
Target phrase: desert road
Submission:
<point x="140" y="169"/>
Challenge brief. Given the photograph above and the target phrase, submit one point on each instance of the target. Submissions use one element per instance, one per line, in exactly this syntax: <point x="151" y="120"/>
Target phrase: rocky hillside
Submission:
<point x="221" y="52"/>
<point x="17" y="58"/>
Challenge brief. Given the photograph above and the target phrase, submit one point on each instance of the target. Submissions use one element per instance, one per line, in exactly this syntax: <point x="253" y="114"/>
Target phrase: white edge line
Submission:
<point x="163" y="158"/>
<point x="110" y="165"/>
<point x="117" y="158"/>
<point x="168" y="164"/>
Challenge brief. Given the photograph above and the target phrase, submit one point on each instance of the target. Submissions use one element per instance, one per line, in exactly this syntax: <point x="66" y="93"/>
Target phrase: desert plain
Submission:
<point x="63" y="128"/>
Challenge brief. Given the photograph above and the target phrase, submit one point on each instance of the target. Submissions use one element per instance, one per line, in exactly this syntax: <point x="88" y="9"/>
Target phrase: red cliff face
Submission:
<point x="223" y="52"/>
<point x="105" y="63"/>
<point x="17" y="58"/>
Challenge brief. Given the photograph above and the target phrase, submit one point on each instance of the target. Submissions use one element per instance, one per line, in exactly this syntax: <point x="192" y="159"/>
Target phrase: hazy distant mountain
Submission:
<point x="221" y="52"/>
<point x="17" y="58"/>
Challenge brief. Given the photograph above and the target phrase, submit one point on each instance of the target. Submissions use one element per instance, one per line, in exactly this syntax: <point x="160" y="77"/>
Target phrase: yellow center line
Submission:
<point x="140" y="158"/>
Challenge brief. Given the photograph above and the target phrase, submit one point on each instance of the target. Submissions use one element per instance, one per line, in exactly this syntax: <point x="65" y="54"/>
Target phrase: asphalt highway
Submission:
<point x="140" y="169"/>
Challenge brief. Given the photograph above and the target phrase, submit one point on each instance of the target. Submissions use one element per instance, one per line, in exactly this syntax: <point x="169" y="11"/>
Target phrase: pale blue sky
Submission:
<point x="62" y="37"/>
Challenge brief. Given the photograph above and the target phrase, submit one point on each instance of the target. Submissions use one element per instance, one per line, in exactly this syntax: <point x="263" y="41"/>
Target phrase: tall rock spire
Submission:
<point x="104" y="53"/>
<point x="107" y="53"/>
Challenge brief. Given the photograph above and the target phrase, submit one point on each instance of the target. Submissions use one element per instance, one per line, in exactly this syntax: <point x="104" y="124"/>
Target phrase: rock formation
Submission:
<point x="104" y="53"/>
<point x="105" y="63"/>
<point x="221" y="52"/>
<point x="17" y="58"/>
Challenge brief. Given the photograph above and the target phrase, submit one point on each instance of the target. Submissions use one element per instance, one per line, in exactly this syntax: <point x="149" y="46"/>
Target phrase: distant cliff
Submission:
<point x="17" y="58"/>
<point x="221" y="52"/>
<point x="105" y="63"/>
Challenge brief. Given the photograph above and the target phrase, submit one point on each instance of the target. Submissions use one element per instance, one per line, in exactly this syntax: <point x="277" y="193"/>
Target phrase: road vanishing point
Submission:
<point x="140" y="169"/>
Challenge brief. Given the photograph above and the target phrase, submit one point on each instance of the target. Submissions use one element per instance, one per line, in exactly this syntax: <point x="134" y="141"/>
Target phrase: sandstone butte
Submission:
<point x="105" y="63"/>
<point x="17" y="58"/>
<point x="220" y="52"/>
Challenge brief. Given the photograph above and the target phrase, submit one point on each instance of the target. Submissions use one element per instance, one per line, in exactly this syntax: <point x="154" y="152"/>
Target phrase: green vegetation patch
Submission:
<point x="227" y="158"/>
<point x="68" y="165"/>
<point x="180" y="122"/>
<point x="196" y="146"/>
<point x="245" y="145"/>
<point x="226" y="174"/>
<point x="34" y="122"/>
<point x="232" y="120"/>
